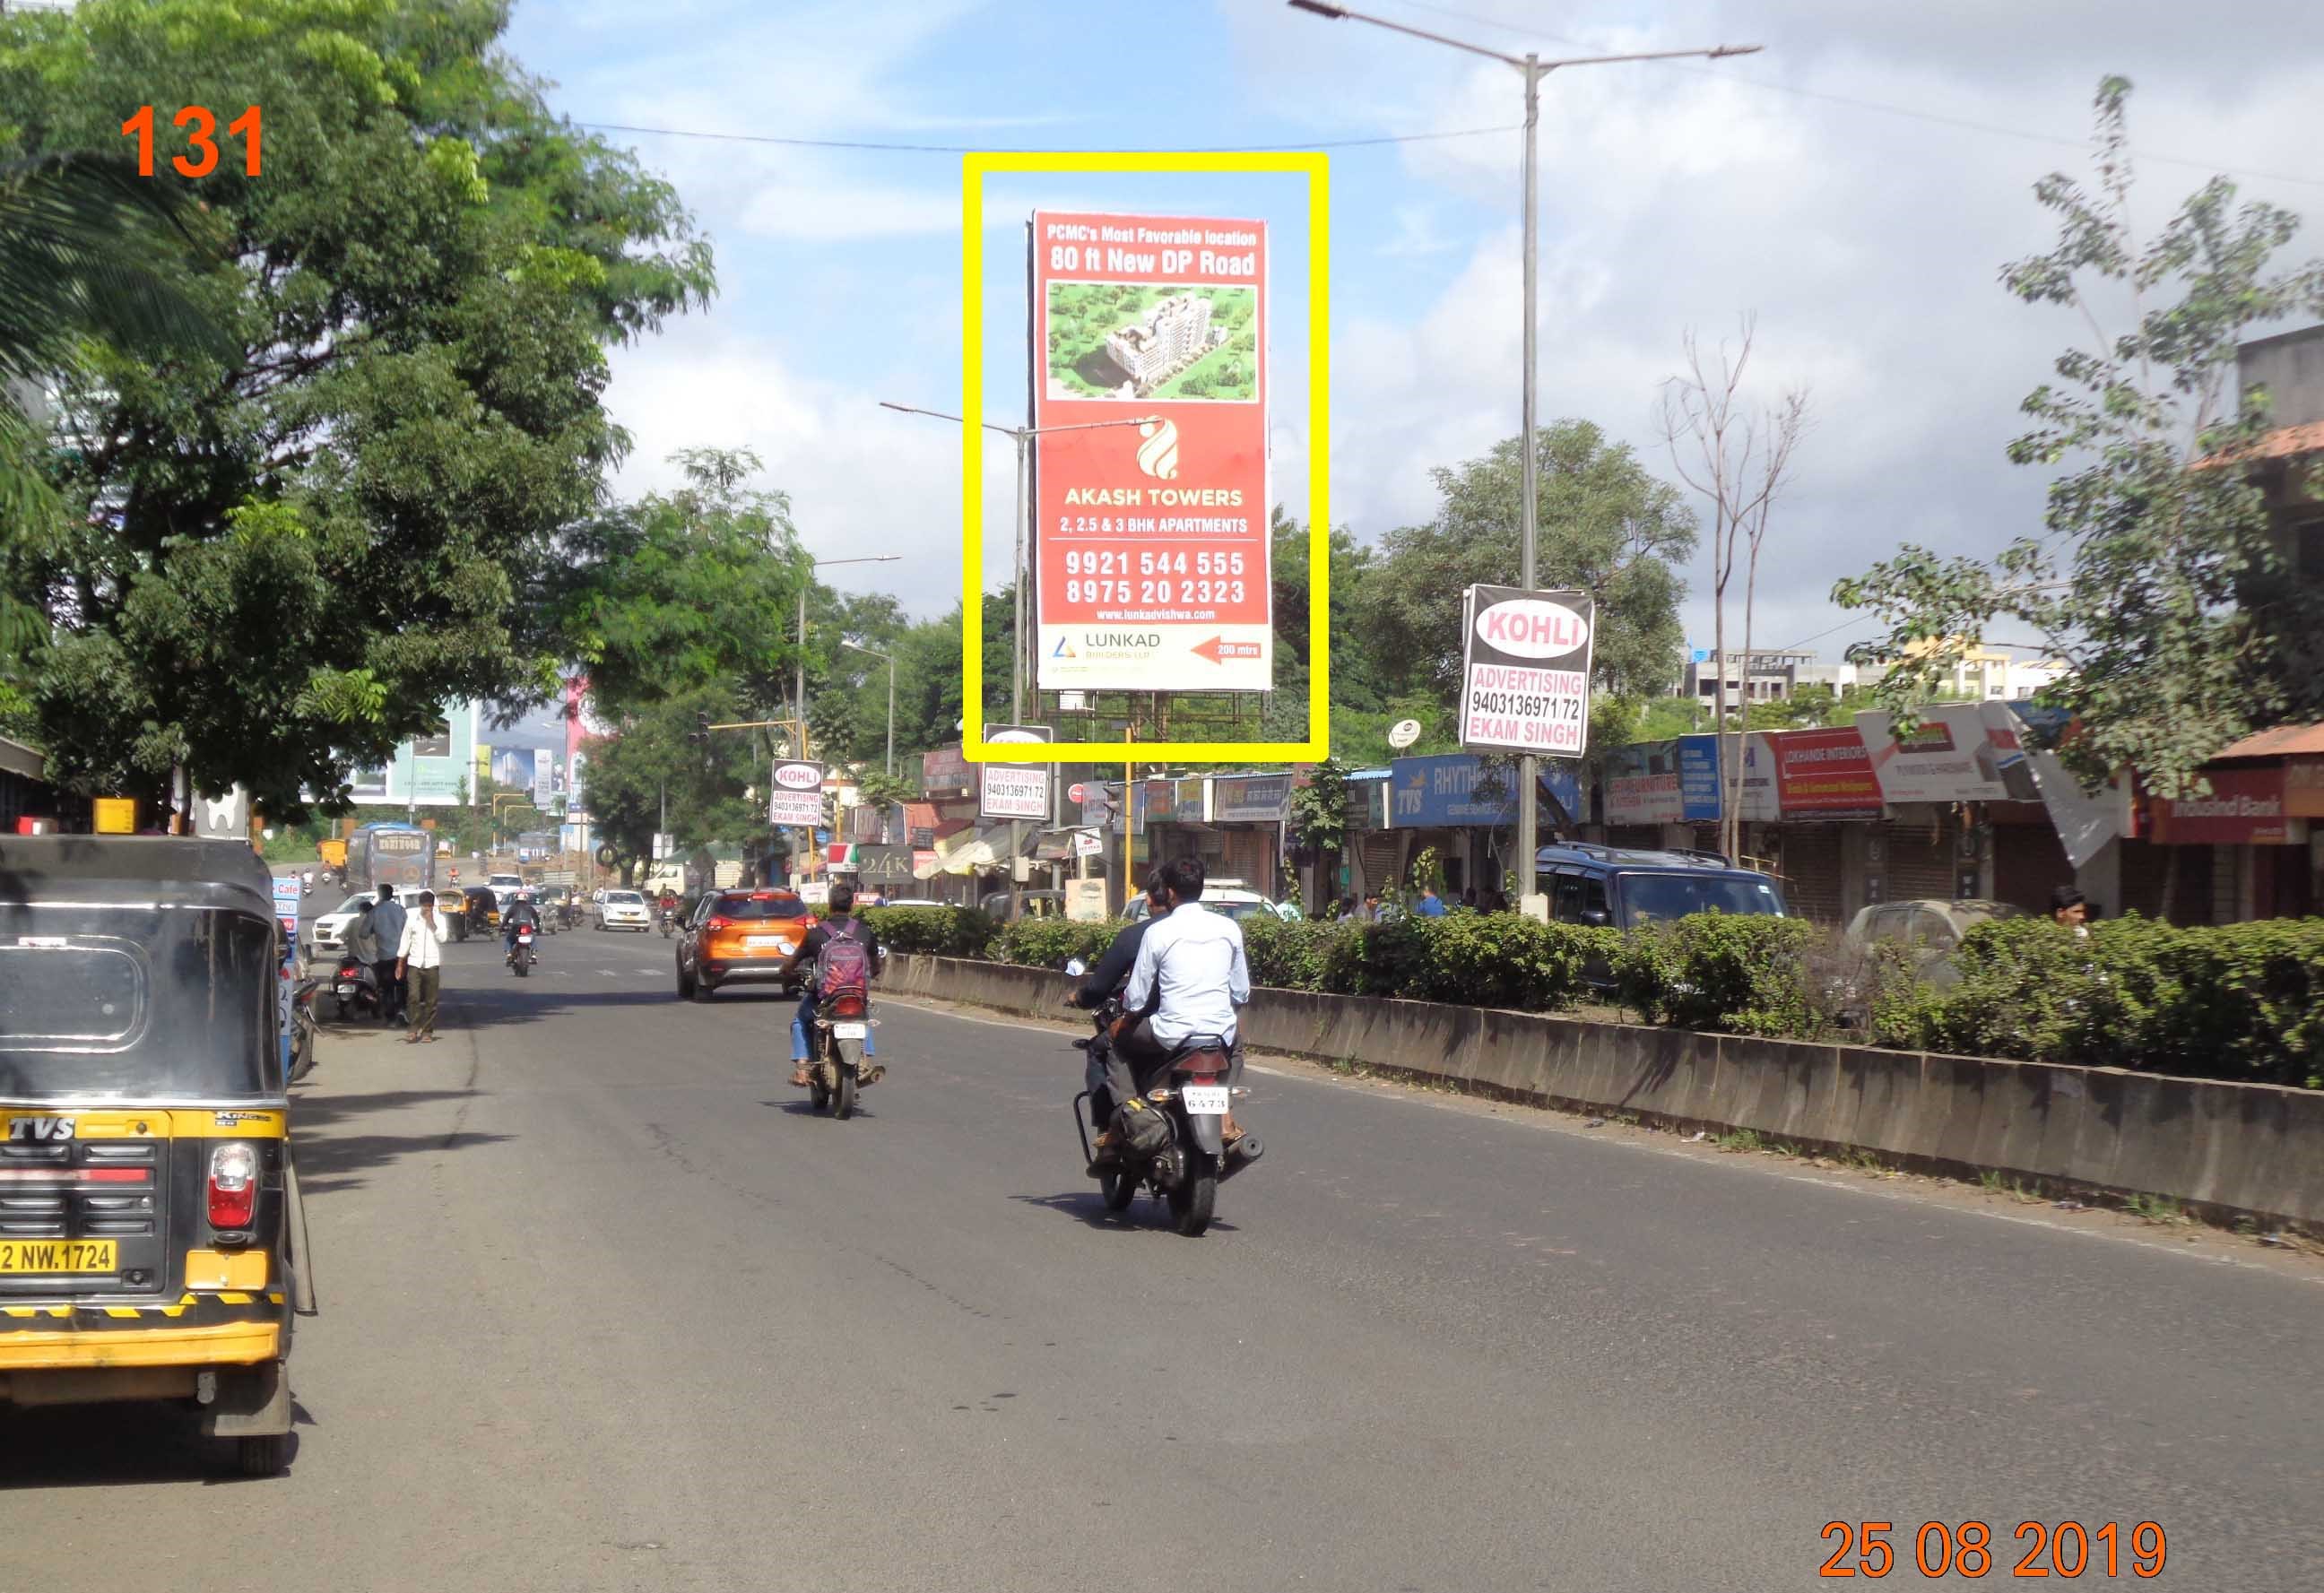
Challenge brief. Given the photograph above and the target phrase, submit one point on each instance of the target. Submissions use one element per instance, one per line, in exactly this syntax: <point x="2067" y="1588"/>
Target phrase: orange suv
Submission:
<point x="740" y="936"/>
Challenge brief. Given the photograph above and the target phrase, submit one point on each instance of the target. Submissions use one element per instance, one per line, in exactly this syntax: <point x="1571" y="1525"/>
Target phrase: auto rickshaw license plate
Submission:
<point x="21" y="1256"/>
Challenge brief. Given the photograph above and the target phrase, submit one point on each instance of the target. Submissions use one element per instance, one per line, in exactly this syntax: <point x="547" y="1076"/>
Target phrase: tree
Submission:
<point x="1740" y="460"/>
<point x="2157" y="580"/>
<point x="682" y="589"/>
<point x="279" y="563"/>
<point x="1606" y="525"/>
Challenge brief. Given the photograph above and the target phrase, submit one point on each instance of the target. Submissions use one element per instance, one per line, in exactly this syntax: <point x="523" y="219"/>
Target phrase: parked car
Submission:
<point x="1033" y="904"/>
<point x="504" y="887"/>
<point x="1232" y="898"/>
<point x="1931" y="928"/>
<point x="1587" y="883"/>
<point x="738" y="937"/>
<point x="328" y="936"/>
<point x="623" y="909"/>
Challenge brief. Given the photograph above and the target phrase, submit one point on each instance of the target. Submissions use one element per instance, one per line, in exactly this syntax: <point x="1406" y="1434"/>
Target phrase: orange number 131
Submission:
<point x="200" y="140"/>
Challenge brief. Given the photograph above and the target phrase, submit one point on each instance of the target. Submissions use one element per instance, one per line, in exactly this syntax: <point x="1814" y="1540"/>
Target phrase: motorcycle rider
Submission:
<point x="1105" y="979"/>
<point x="1189" y="977"/>
<point x="668" y="906"/>
<point x="840" y="922"/>
<point x="520" y="911"/>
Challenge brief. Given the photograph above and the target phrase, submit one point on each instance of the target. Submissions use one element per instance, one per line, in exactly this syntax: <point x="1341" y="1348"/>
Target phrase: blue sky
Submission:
<point x="1858" y="186"/>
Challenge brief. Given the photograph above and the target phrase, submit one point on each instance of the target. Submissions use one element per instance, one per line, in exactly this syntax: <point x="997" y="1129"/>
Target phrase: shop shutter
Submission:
<point x="1380" y="852"/>
<point x="1811" y="863"/>
<point x="2028" y="863"/>
<point x="1639" y="837"/>
<point x="1923" y="862"/>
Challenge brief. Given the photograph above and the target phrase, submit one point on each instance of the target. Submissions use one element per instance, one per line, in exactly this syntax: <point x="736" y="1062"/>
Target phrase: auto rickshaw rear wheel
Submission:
<point x="265" y="1455"/>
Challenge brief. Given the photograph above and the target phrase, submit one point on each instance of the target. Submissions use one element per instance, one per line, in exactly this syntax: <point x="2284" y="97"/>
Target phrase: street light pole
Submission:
<point x="805" y="749"/>
<point x="1534" y="69"/>
<point x="1023" y="436"/>
<point x="891" y="659"/>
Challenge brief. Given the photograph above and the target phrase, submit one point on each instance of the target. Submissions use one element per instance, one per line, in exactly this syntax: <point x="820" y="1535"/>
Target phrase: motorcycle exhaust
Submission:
<point x="1241" y="1153"/>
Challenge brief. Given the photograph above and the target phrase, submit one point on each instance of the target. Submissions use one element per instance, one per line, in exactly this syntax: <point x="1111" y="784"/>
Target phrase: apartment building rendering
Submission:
<point x="1173" y="332"/>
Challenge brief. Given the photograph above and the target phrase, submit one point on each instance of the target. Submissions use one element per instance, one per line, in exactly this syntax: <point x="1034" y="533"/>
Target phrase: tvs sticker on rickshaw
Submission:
<point x="21" y="1256"/>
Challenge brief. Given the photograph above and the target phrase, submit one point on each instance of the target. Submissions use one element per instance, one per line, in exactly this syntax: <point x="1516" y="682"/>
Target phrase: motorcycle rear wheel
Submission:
<point x="1194" y="1202"/>
<point x="1118" y="1188"/>
<point x="849" y="1057"/>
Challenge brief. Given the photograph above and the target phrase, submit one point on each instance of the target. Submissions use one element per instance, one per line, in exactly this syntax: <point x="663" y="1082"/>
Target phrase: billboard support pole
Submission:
<point x="1528" y="767"/>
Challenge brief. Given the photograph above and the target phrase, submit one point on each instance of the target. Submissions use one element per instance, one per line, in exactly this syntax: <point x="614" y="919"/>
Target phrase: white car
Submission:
<point x="328" y="936"/>
<point x="624" y="909"/>
<point x="1228" y="897"/>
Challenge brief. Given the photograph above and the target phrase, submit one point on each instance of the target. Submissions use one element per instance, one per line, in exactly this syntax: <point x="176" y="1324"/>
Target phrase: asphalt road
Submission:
<point x="605" y="1308"/>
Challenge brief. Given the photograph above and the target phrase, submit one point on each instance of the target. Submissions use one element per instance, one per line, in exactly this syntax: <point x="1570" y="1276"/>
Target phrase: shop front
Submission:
<point x="2243" y="850"/>
<point x="1464" y="808"/>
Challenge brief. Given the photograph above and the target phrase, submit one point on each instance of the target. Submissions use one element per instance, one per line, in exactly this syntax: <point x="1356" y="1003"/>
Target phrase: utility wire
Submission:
<point x="1879" y="108"/>
<point x="964" y="149"/>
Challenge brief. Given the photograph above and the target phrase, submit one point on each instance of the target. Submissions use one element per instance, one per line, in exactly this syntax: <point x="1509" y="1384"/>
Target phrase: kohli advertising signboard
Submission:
<point x="1524" y="671"/>
<point x="1150" y="525"/>
<point x="795" y="801"/>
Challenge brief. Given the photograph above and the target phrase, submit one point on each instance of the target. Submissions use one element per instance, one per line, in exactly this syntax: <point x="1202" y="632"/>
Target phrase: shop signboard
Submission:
<point x="2245" y="807"/>
<point x="1150" y="487"/>
<point x="944" y="772"/>
<point x="1458" y="790"/>
<point x="1014" y="791"/>
<point x="1248" y="799"/>
<point x="1643" y="785"/>
<point x="1823" y="774"/>
<point x="1698" y="781"/>
<point x="1948" y="757"/>
<point x="1524" y="670"/>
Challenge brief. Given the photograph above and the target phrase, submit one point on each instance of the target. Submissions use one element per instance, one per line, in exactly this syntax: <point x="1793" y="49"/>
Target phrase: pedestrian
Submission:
<point x="1432" y="906"/>
<point x="420" y="954"/>
<point x="1469" y="899"/>
<point x="1371" y="913"/>
<point x="387" y="921"/>
<point x="2070" y="909"/>
<point x="1348" y="910"/>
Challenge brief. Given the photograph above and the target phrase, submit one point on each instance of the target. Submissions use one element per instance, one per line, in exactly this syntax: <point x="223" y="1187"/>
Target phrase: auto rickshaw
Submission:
<point x="152" y="1244"/>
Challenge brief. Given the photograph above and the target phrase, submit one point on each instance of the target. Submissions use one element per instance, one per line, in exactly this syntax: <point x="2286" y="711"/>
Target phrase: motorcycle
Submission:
<point x="519" y="956"/>
<point x="307" y="882"/>
<point x="354" y="988"/>
<point x="303" y="1027"/>
<point x="835" y="1068"/>
<point x="1178" y="1149"/>
<point x="669" y="922"/>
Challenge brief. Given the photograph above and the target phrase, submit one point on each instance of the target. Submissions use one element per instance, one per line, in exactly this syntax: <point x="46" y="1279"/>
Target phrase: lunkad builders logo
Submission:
<point x="1525" y="671"/>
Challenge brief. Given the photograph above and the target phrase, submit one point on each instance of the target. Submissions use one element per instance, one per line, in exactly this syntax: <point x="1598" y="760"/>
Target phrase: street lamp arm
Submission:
<point x="1715" y="52"/>
<point x="1018" y="432"/>
<point x="1341" y="14"/>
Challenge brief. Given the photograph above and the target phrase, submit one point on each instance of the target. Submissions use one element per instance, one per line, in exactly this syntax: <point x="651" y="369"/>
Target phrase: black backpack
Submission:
<point x="1142" y="1128"/>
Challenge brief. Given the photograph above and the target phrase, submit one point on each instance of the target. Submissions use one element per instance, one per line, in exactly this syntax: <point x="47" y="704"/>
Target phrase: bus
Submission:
<point x="402" y="855"/>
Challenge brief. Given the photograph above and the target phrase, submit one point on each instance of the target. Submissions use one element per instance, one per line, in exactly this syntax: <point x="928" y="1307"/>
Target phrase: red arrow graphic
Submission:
<point x="1218" y="650"/>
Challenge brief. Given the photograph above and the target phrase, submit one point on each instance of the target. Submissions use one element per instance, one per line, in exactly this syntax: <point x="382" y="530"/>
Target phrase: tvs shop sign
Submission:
<point x="1524" y="671"/>
<point x="795" y="801"/>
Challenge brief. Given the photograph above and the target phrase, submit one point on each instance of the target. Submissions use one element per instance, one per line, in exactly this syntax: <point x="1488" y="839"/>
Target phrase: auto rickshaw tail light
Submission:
<point x="232" y="1187"/>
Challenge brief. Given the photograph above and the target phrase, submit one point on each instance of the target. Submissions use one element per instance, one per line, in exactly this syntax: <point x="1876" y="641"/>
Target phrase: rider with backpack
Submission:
<point x="844" y="955"/>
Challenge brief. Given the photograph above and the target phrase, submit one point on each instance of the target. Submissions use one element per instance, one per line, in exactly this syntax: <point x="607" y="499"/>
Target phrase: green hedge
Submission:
<point x="2241" y="1001"/>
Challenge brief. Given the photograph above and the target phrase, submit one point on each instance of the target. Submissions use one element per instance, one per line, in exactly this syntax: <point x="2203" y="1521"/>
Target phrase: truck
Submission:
<point x="334" y="855"/>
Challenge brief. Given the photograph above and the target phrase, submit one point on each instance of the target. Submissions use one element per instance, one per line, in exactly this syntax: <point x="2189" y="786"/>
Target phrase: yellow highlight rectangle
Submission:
<point x="1317" y="165"/>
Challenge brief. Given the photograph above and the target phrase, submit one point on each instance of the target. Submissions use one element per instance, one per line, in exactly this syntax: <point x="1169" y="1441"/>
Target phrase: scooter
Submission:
<point x="669" y="923"/>
<point x="1171" y="1138"/>
<point x="354" y="988"/>
<point x="521" y="954"/>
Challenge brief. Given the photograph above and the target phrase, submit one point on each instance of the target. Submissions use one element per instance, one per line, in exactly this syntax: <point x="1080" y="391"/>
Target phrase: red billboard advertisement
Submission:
<point x="1824" y="774"/>
<point x="1150" y="523"/>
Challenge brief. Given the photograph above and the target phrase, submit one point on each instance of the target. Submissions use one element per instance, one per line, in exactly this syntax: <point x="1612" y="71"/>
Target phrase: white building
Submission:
<point x="1173" y="331"/>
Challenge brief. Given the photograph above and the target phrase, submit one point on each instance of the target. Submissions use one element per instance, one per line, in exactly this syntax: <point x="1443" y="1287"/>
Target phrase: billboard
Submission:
<point x="1524" y="670"/>
<point x="1150" y="529"/>
<point x="1014" y="790"/>
<point x="544" y="776"/>
<point x="795" y="799"/>
<point x="436" y="768"/>
<point x="1250" y="799"/>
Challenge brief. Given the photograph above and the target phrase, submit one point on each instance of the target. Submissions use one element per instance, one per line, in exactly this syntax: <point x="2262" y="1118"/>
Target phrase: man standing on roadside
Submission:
<point x="419" y="952"/>
<point x="2070" y="909"/>
<point x="387" y="922"/>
